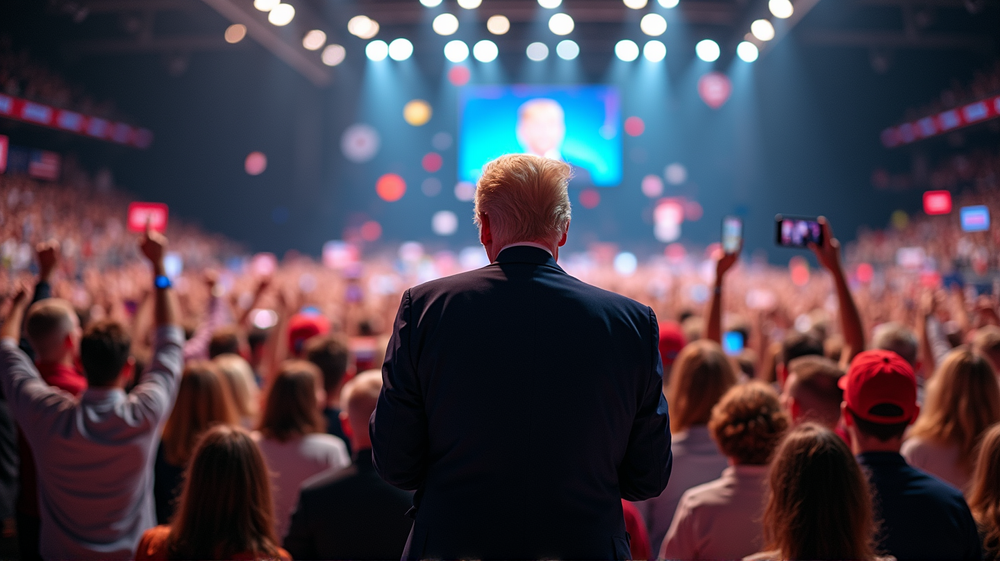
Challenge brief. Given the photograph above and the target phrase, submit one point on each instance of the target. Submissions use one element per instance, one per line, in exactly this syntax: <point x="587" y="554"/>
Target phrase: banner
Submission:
<point x="63" y="119"/>
<point x="946" y="121"/>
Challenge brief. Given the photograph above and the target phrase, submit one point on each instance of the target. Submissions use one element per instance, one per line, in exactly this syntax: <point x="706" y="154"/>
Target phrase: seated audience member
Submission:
<point x="242" y="387"/>
<point x="701" y="375"/>
<point x="93" y="455"/>
<point x="819" y="505"/>
<point x="202" y="402"/>
<point x="721" y="519"/>
<point x="922" y="518"/>
<point x="635" y="526"/>
<point x="811" y="393"/>
<point x="963" y="400"/>
<point x="291" y="436"/>
<point x="986" y="342"/>
<point x="331" y="354"/>
<point x="351" y="513"/>
<point x="984" y="500"/>
<point x="225" y="509"/>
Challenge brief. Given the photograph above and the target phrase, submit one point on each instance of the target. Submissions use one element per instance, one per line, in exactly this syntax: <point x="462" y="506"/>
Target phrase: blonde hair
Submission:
<point x="241" y="383"/>
<point x="963" y="400"/>
<point x="202" y="402"/>
<point x="748" y="422"/>
<point x="525" y="197"/>
<point x="698" y="379"/>
<point x="359" y="397"/>
<point x="984" y="501"/>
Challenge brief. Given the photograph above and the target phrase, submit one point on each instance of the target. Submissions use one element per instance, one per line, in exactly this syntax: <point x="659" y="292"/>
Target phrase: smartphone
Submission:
<point x="793" y="231"/>
<point x="732" y="234"/>
<point x="975" y="218"/>
<point x="732" y="343"/>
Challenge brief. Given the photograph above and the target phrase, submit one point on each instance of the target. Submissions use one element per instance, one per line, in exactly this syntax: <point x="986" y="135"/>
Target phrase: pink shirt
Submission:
<point x="720" y="519"/>
<point x="937" y="460"/>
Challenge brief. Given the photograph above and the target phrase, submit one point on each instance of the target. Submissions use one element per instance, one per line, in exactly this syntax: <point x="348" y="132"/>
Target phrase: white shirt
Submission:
<point x="294" y="461"/>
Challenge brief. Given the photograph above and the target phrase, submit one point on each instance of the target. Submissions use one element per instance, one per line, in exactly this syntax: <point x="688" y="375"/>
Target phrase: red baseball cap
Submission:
<point x="671" y="342"/>
<point x="303" y="326"/>
<point x="880" y="377"/>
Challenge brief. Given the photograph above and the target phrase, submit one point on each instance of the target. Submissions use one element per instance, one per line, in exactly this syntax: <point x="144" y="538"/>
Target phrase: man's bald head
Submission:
<point x="53" y="330"/>
<point x="357" y="401"/>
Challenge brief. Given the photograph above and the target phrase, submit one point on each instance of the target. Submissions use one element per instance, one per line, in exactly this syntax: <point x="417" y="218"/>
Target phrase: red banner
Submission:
<point x="63" y="119"/>
<point x="946" y="121"/>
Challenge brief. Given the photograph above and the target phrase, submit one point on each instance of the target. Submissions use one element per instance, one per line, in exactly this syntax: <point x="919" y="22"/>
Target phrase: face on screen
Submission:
<point x="541" y="127"/>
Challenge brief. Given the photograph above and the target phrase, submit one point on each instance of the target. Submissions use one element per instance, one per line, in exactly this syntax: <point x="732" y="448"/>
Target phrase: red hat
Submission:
<point x="302" y="326"/>
<point x="671" y="342"/>
<point x="880" y="377"/>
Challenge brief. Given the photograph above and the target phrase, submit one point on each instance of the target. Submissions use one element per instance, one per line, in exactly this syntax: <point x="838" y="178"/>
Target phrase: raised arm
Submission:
<point x="154" y="247"/>
<point x="850" y="320"/>
<point x="47" y="255"/>
<point x="713" y="327"/>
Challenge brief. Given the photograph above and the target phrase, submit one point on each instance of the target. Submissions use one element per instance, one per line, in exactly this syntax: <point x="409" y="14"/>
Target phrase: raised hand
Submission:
<point x="47" y="254"/>
<point x="828" y="253"/>
<point x="154" y="246"/>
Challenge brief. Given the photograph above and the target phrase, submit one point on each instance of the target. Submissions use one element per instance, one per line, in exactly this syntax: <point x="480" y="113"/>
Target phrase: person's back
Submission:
<point x="523" y="404"/>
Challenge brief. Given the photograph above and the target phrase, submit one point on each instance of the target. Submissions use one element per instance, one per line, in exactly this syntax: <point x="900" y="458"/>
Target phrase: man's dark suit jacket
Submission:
<point x="522" y="404"/>
<point x="350" y="514"/>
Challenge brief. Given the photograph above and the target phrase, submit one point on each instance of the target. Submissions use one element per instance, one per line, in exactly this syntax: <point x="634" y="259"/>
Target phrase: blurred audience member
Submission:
<point x="225" y="509"/>
<point x="332" y="355"/>
<point x="984" y="500"/>
<point x="811" y="393"/>
<point x="671" y="343"/>
<point x="351" y="513"/>
<point x="227" y="340"/>
<point x="987" y="343"/>
<point x="922" y="518"/>
<point x="796" y="345"/>
<point x="292" y="438"/>
<point x="242" y="387"/>
<point x="721" y="519"/>
<point x="638" y="536"/>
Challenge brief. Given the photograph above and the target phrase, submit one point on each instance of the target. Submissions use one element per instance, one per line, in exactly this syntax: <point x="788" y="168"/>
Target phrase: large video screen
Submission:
<point x="580" y="125"/>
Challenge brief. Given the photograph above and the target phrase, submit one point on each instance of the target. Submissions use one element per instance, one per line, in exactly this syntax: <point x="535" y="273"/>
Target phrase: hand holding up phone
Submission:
<point x="828" y="249"/>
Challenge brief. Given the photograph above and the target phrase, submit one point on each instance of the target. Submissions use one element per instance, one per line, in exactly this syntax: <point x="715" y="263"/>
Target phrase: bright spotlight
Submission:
<point x="363" y="27"/>
<point x="669" y="3"/>
<point x="654" y="51"/>
<point x="567" y="49"/>
<point x="265" y="5"/>
<point x="747" y="51"/>
<point x="314" y="40"/>
<point x="627" y="50"/>
<point x="470" y="4"/>
<point x="445" y="24"/>
<point x="707" y="50"/>
<point x="561" y="24"/>
<point x="400" y="49"/>
<point x="235" y="33"/>
<point x="333" y="55"/>
<point x="456" y="51"/>
<point x="762" y="29"/>
<point x="635" y="4"/>
<point x="282" y="14"/>
<point x="781" y="8"/>
<point x="537" y="51"/>
<point x="550" y="4"/>
<point x="498" y="25"/>
<point x="377" y="50"/>
<point x="431" y="3"/>
<point x="653" y="24"/>
<point x="485" y="51"/>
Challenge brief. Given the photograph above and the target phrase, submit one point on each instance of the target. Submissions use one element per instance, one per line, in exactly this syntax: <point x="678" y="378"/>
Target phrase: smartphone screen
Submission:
<point x="797" y="232"/>
<point x="732" y="234"/>
<point x="975" y="218"/>
<point x="732" y="343"/>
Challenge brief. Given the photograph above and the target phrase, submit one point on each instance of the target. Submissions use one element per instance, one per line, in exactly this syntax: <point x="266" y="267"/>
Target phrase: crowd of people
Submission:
<point x="985" y="82"/>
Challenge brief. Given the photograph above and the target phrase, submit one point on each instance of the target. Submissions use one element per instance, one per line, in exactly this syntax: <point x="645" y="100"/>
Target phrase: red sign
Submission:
<point x="4" y="144"/>
<point x="95" y="127"/>
<point x="937" y="202"/>
<point x="140" y="213"/>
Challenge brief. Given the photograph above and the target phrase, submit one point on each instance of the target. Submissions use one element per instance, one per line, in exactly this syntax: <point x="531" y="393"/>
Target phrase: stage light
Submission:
<point x="465" y="191"/>
<point x="459" y="75"/>
<point x="485" y="51"/>
<point x="445" y="24"/>
<point x="363" y="27"/>
<point x="561" y="24"/>
<point x="255" y="163"/>
<point x="762" y="29"/>
<point x="314" y="40"/>
<point x="431" y="3"/>
<point x="627" y="50"/>
<point x="282" y="14"/>
<point x="470" y="4"/>
<point x="333" y="55"/>
<point x="550" y="4"/>
<point x="781" y="8"/>
<point x="417" y="112"/>
<point x="567" y="49"/>
<point x="675" y="173"/>
<point x="400" y="49"/>
<point x="456" y="51"/>
<point x="498" y="25"/>
<point x="444" y="223"/>
<point x="377" y="50"/>
<point x="635" y="4"/>
<point x="626" y="264"/>
<point x="390" y="187"/>
<point x="654" y="51"/>
<point x="669" y="3"/>
<point x="235" y="33"/>
<point x="265" y="5"/>
<point x="707" y="50"/>
<point x="653" y="24"/>
<point x="747" y="51"/>
<point x="537" y="51"/>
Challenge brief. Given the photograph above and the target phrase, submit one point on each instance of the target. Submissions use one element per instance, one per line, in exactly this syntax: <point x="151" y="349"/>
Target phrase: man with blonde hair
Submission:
<point x="520" y="403"/>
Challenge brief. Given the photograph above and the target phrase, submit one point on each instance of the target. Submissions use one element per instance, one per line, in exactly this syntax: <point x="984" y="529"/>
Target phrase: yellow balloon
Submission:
<point x="417" y="112"/>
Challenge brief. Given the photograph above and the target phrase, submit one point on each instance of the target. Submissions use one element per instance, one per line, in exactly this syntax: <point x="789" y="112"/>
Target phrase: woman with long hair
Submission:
<point x="202" y="402"/>
<point x="238" y="374"/>
<point x="225" y="509"/>
<point x="819" y="504"/>
<point x="291" y="436"/>
<point x="963" y="400"/>
<point x="699" y="377"/>
<point x="984" y="500"/>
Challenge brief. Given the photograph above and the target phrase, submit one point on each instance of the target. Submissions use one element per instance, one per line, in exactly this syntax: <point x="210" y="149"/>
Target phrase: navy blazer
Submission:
<point x="522" y="404"/>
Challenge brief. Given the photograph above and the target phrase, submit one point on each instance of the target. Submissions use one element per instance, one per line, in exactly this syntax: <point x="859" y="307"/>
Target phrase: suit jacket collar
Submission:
<point x="526" y="254"/>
